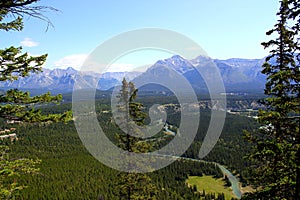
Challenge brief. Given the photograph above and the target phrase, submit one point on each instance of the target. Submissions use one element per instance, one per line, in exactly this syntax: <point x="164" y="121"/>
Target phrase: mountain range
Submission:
<point x="239" y="75"/>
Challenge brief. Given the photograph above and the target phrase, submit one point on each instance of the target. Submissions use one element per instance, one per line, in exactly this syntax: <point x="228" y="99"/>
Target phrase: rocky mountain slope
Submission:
<point x="239" y="75"/>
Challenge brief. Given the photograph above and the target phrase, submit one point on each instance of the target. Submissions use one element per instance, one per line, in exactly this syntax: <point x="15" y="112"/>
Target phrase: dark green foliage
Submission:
<point x="133" y="185"/>
<point x="230" y="148"/>
<point x="12" y="169"/>
<point x="68" y="171"/>
<point x="14" y="64"/>
<point x="17" y="106"/>
<point x="227" y="182"/>
<point x="12" y="13"/>
<point x="276" y="151"/>
<point x="213" y="196"/>
<point x="131" y="113"/>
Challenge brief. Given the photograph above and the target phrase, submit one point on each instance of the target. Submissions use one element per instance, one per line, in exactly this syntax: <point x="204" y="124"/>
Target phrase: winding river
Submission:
<point x="235" y="184"/>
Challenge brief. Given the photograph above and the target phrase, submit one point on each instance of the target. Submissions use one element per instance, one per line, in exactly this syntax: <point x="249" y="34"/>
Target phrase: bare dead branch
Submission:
<point x="21" y="9"/>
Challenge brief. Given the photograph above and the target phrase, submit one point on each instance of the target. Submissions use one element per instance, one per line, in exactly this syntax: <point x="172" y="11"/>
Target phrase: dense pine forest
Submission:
<point x="257" y="156"/>
<point x="68" y="171"/>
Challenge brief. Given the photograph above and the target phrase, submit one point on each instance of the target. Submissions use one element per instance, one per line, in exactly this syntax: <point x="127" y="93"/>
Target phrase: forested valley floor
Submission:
<point x="68" y="171"/>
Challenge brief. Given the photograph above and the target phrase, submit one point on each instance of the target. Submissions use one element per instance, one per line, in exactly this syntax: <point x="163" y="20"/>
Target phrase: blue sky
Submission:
<point x="223" y="28"/>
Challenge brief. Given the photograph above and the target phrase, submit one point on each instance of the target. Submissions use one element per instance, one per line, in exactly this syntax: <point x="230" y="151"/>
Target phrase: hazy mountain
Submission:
<point x="239" y="75"/>
<point x="62" y="80"/>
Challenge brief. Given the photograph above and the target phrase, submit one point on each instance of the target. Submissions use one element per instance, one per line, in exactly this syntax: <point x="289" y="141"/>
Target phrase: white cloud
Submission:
<point x="120" y="67"/>
<point x="28" y="42"/>
<point x="74" y="61"/>
<point x="77" y="60"/>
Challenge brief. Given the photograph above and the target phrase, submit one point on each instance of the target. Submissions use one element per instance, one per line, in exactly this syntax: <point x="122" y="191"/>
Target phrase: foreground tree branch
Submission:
<point x="276" y="149"/>
<point x="19" y="106"/>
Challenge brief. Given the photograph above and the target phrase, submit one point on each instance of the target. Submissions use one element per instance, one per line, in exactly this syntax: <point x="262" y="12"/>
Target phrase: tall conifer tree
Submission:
<point x="133" y="185"/>
<point x="276" y="149"/>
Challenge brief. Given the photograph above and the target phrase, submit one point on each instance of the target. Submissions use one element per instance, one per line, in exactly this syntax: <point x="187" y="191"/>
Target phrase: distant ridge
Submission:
<point x="239" y="75"/>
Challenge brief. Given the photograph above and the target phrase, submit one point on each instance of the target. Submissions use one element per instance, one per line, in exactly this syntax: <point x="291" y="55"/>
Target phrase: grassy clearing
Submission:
<point x="210" y="185"/>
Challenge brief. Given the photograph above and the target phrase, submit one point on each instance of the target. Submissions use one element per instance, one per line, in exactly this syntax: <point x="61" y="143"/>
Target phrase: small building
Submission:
<point x="13" y="122"/>
<point x="12" y="137"/>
